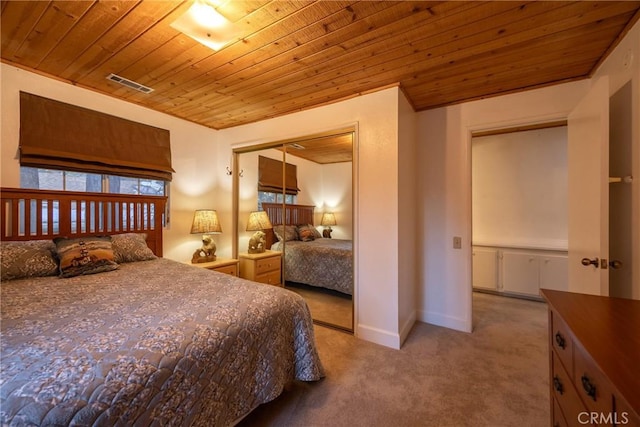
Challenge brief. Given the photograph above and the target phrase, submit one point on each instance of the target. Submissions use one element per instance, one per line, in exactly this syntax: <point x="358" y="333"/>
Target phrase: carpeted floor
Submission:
<point x="496" y="376"/>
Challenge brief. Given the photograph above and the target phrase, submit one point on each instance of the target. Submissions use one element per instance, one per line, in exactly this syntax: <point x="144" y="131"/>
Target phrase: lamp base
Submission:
<point x="199" y="257"/>
<point x="326" y="233"/>
<point x="257" y="243"/>
<point x="206" y="253"/>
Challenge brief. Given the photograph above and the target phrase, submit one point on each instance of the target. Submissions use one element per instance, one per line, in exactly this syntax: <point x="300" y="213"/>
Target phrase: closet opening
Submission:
<point x="519" y="210"/>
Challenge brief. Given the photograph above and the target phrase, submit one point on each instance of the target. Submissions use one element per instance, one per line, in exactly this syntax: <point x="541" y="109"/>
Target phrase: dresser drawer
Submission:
<point x="561" y="341"/>
<point x="565" y="394"/>
<point x="593" y="387"/>
<point x="270" y="278"/>
<point x="625" y="416"/>
<point x="267" y="264"/>
<point x="557" y="419"/>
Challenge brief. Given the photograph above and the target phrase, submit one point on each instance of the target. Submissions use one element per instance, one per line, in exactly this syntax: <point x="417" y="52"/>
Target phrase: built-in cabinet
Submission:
<point x="519" y="271"/>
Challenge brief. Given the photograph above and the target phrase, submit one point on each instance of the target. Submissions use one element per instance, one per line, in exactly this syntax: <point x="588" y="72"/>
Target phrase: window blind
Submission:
<point x="270" y="176"/>
<point x="57" y="135"/>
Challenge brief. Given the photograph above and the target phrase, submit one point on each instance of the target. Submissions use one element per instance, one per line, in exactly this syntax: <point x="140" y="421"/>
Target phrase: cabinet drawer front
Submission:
<point x="557" y="417"/>
<point x="565" y="393"/>
<point x="228" y="269"/>
<point x="267" y="264"/>
<point x="593" y="387"/>
<point x="624" y="414"/>
<point x="561" y="341"/>
<point x="270" y="278"/>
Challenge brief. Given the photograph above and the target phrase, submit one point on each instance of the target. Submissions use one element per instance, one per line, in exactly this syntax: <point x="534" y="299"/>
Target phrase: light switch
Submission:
<point x="457" y="242"/>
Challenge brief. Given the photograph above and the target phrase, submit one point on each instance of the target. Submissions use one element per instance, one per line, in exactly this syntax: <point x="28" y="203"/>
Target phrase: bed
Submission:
<point x="126" y="345"/>
<point x="309" y="258"/>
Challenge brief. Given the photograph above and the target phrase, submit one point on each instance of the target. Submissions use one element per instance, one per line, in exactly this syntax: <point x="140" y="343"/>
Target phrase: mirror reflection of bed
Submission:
<point x="316" y="267"/>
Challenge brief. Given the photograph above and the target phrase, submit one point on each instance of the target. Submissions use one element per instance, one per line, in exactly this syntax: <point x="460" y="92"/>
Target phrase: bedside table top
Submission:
<point x="220" y="262"/>
<point x="265" y="254"/>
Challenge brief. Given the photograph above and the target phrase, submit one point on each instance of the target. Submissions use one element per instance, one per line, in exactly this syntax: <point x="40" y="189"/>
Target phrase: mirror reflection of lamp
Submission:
<point x="258" y="222"/>
<point x="328" y="219"/>
<point x="205" y="222"/>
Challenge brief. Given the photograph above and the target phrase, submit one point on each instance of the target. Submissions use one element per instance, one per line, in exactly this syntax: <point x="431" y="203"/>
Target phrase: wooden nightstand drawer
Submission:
<point x="263" y="267"/>
<point x="267" y="264"/>
<point x="221" y="265"/>
<point x="228" y="269"/>
<point x="270" y="278"/>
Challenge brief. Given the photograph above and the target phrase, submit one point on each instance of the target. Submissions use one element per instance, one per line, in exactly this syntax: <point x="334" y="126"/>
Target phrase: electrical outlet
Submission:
<point x="457" y="242"/>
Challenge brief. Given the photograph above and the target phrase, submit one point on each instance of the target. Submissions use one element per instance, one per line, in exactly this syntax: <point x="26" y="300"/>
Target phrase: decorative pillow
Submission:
<point x="84" y="255"/>
<point x="287" y="232"/>
<point x="31" y="258"/>
<point x="131" y="247"/>
<point x="306" y="234"/>
<point x="315" y="233"/>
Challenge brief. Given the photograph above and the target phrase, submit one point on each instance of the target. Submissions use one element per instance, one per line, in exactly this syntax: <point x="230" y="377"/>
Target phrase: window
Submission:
<point x="51" y="179"/>
<point x="270" y="197"/>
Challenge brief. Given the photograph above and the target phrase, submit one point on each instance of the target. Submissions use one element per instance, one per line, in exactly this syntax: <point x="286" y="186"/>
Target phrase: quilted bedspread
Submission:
<point x="327" y="263"/>
<point x="154" y="342"/>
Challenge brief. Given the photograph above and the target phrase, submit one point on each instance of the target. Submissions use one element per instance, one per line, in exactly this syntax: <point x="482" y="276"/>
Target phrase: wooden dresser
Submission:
<point x="594" y="356"/>
<point x="264" y="267"/>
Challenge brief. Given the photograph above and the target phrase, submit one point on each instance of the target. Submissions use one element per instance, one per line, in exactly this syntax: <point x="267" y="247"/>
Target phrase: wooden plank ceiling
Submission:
<point x="295" y="55"/>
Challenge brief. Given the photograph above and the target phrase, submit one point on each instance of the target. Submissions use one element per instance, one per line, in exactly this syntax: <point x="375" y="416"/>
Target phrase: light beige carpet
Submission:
<point x="496" y="376"/>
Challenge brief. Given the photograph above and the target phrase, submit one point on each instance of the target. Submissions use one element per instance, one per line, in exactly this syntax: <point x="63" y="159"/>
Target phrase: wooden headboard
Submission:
<point x="292" y="215"/>
<point x="46" y="214"/>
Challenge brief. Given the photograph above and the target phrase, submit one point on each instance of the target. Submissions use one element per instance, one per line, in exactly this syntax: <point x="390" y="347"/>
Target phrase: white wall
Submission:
<point x="444" y="192"/>
<point x="337" y="196"/>
<point x="519" y="189"/>
<point x="376" y="178"/>
<point x="197" y="179"/>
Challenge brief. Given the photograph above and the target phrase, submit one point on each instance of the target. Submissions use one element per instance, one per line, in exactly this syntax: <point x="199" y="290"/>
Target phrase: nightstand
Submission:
<point x="264" y="267"/>
<point x="221" y="265"/>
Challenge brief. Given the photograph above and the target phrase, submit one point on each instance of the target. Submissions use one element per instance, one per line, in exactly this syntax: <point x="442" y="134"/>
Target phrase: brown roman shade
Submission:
<point x="56" y="135"/>
<point x="270" y="176"/>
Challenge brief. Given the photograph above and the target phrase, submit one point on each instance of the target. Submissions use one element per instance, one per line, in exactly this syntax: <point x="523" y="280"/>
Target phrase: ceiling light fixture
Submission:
<point x="203" y="23"/>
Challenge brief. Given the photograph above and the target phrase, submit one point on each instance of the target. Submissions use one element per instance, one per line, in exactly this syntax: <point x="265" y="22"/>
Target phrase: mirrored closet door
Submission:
<point x="294" y="210"/>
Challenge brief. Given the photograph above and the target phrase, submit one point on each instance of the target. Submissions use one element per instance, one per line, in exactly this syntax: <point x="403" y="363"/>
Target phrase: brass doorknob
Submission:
<point x="587" y="262"/>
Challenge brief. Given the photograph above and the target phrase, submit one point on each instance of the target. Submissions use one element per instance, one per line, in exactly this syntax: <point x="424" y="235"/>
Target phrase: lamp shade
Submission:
<point x="258" y="221"/>
<point x="328" y="218"/>
<point x="205" y="221"/>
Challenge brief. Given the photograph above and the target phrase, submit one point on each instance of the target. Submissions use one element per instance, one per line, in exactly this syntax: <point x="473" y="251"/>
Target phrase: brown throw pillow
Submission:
<point x="84" y="255"/>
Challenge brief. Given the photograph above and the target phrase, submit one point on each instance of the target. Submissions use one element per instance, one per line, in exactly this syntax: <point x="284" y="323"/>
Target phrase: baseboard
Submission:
<point x="378" y="336"/>
<point x="446" y="321"/>
<point x="406" y="328"/>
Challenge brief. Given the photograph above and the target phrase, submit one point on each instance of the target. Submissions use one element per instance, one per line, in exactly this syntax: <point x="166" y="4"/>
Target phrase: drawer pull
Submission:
<point x="560" y="340"/>
<point x="557" y="384"/>
<point x="589" y="388"/>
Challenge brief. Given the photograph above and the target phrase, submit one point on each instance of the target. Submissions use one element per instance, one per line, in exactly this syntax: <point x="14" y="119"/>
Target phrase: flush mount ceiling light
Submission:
<point x="204" y="24"/>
